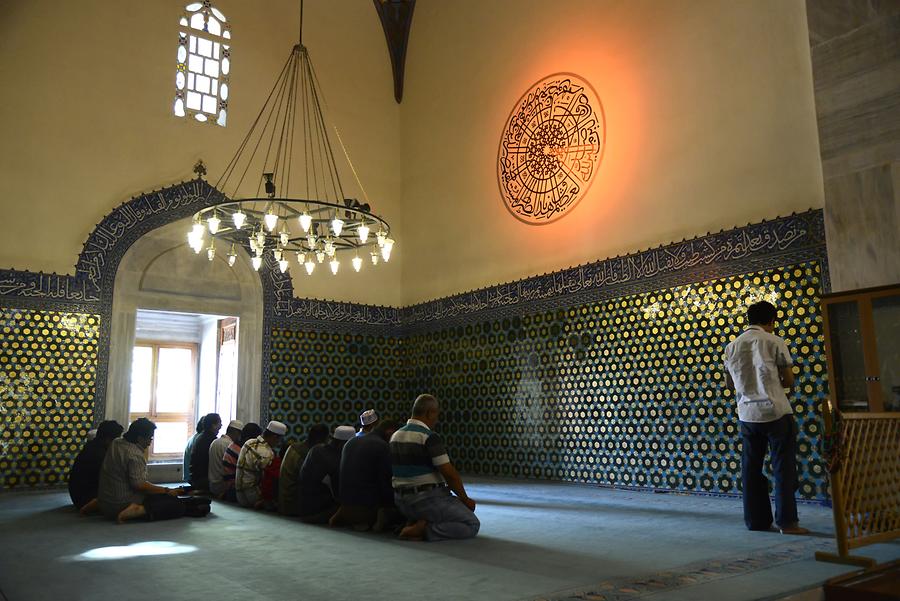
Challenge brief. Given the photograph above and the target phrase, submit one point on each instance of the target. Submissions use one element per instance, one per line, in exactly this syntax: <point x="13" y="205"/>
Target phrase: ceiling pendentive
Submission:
<point x="396" y="20"/>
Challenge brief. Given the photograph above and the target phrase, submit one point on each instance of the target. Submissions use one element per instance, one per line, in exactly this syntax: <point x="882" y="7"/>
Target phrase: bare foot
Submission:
<point x="90" y="507"/>
<point x="131" y="512"/>
<point x="414" y="531"/>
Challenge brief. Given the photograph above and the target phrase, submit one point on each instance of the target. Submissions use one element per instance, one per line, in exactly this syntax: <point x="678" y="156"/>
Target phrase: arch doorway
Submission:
<point x="160" y="285"/>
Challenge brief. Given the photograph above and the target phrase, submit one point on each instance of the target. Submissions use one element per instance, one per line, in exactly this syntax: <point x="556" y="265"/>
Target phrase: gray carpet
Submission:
<point x="538" y="541"/>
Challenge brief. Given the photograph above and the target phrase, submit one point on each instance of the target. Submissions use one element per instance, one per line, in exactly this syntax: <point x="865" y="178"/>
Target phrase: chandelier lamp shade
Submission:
<point x="283" y="200"/>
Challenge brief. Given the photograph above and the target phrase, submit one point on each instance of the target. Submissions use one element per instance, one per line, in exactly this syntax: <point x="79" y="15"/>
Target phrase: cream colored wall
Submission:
<point x="86" y="116"/>
<point x="710" y="124"/>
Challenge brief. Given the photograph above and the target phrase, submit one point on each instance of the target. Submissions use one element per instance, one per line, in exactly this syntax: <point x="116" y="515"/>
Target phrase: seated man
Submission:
<point x="84" y="478"/>
<point x="217" y="453"/>
<point x="212" y="423"/>
<point x="288" y="500"/>
<point x="188" y="449"/>
<point x="125" y="493"/>
<point x="320" y="478"/>
<point x="256" y="455"/>
<point x="422" y="474"/>
<point x="366" y="496"/>
<point x="230" y="459"/>
<point x="368" y="419"/>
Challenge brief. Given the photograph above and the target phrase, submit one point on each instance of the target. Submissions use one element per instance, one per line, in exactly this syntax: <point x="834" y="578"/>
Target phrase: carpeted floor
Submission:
<point x="538" y="541"/>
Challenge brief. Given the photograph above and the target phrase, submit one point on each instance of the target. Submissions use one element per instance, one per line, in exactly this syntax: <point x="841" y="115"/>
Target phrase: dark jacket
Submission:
<point x="200" y="459"/>
<point x="84" y="477"/>
<point x="319" y="476"/>
<point x="366" y="472"/>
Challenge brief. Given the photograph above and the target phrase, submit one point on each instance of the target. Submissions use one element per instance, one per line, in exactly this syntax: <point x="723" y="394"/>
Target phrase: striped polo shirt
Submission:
<point x="416" y="453"/>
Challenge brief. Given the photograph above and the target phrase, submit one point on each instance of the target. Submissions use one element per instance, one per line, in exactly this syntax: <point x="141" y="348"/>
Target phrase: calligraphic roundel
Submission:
<point x="551" y="148"/>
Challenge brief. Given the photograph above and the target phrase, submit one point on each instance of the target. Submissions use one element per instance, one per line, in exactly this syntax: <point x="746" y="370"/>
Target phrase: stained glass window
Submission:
<point x="204" y="62"/>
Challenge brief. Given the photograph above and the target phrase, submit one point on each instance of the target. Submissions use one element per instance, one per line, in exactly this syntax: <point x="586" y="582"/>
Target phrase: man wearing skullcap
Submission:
<point x="320" y="477"/>
<point x="256" y="455"/>
<point x="368" y="420"/>
<point x="217" y="449"/>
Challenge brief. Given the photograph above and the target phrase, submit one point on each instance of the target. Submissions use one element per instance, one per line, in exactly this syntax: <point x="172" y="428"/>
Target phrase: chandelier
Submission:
<point x="299" y="210"/>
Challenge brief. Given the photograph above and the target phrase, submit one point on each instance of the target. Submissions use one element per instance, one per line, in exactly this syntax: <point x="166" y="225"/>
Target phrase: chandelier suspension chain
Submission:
<point x="321" y="121"/>
<point x="222" y="182"/>
<point x="344" y="148"/>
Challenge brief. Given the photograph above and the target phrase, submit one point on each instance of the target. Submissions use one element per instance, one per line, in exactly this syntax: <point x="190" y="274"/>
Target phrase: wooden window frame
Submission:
<point x="153" y="415"/>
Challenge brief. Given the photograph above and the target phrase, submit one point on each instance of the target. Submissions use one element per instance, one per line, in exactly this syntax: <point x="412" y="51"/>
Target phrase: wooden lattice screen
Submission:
<point x="865" y="482"/>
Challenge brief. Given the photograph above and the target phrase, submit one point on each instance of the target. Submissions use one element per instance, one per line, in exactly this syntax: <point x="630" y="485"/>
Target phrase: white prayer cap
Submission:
<point x="344" y="432"/>
<point x="368" y="417"/>
<point x="92" y="434"/>
<point x="236" y="424"/>
<point x="277" y="428"/>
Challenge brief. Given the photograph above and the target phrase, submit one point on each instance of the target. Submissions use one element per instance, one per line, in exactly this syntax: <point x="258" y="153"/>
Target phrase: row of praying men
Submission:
<point x="386" y="476"/>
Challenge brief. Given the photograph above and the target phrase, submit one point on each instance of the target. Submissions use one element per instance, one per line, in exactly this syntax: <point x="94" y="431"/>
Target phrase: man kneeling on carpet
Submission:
<point x="125" y="493"/>
<point x="255" y="457"/>
<point x="423" y="478"/>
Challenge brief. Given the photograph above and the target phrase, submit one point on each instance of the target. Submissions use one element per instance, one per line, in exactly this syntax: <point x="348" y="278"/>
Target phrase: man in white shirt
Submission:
<point x="216" y="452"/>
<point x="758" y="367"/>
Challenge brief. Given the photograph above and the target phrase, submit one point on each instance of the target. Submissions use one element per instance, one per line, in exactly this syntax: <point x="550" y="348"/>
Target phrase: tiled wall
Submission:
<point x="627" y="391"/>
<point x="327" y="378"/>
<point x="48" y="364"/>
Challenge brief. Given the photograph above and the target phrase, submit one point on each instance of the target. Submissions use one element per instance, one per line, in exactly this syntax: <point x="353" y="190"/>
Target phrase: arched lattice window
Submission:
<point x="204" y="61"/>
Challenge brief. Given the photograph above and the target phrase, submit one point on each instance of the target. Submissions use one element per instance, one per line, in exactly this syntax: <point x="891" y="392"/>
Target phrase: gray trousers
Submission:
<point x="446" y="515"/>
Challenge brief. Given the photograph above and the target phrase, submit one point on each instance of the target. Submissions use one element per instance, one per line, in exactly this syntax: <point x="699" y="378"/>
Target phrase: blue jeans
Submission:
<point x="445" y="515"/>
<point x="780" y="439"/>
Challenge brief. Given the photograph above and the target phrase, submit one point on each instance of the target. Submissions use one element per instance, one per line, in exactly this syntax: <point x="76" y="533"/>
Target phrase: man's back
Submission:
<point x="319" y="478"/>
<point x="289" y="477"/>
<point x="255" y="455"/>
<point x="416" y="453"/>
<point x="84" y="478"/>
<point x="124" y="467"/>
<point x="366" y="472"/>
<point x="753" y="360"/>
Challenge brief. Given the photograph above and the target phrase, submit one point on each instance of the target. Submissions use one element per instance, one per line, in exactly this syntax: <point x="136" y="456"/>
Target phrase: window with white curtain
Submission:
<point x="204" y="62"/>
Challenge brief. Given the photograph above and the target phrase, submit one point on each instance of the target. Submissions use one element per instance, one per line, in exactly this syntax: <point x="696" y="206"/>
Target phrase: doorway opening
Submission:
<point x="184" y="365"/>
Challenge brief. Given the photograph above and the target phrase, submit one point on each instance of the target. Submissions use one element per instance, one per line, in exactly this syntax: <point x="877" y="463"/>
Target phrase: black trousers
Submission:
<point x="779" y="437"/>
<point x="163" y="507"/>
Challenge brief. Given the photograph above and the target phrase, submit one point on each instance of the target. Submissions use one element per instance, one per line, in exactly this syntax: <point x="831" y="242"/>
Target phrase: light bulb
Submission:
<point x="260" y="239"/>
<point x="320" y="256"/>
<point x="285" y="237"/>
<point x="198" y="228"/>
<point x="271" y="220"/>
<point x="213" y="224"/>
<point x="363" y="231"/>
<point x="305" y="221"/>
<point x="283" y="265"/>
<point x="386" y="249"/>
<point x="334" y="266"/>
<point x="253" y="245"/>
<point x="357" y="263"/>
<point x="329" y="248"/>
<point x="239" y="219"/>
<point x="310" y="266"/>
<point x="278" y="254"/>
<point x="374" y="258"/>
<point x="311" y="242"/>
<point x="211" y="252"/>
<point x="381" y="236"/>
<point x="337" y="226"/>
<point x="256" y="262"/>
<point x="231" y="259"/>
<point x="301" y="258"/>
